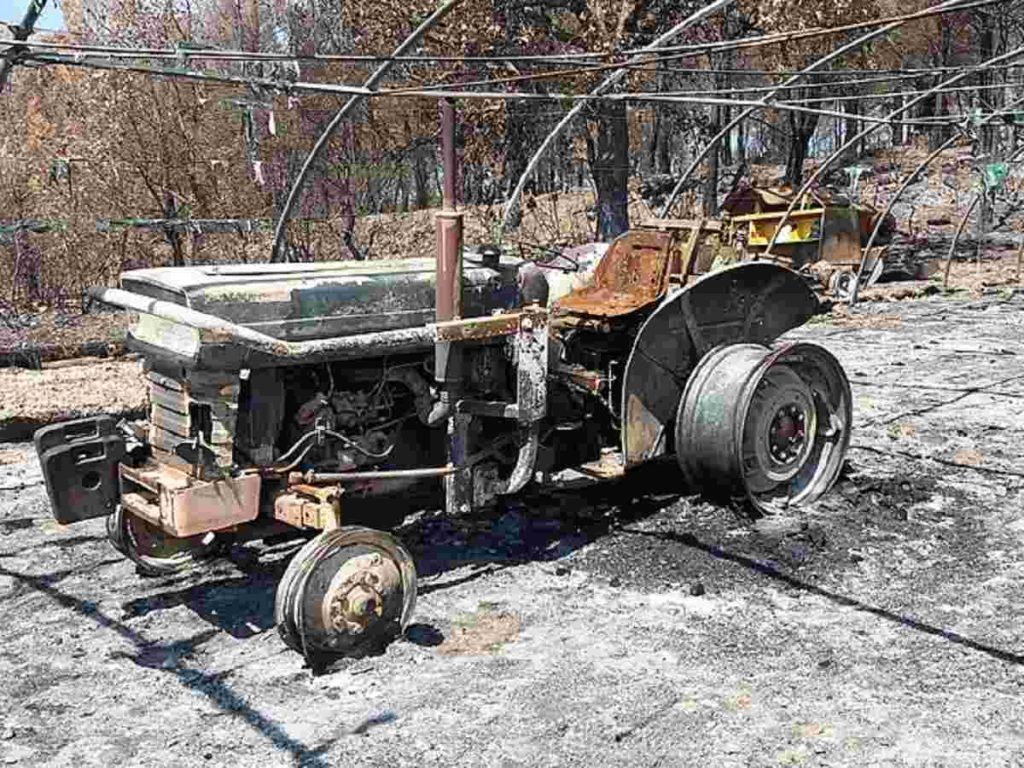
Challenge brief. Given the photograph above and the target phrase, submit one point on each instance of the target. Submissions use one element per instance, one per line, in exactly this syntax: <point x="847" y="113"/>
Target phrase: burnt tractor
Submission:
<point x="323" y="399"/>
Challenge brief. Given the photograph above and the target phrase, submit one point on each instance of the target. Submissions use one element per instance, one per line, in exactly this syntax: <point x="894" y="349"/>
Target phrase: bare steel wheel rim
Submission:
<point x="770" y="425"/>
<point x="816" y="385"/>
<point x="779" y="429"/>
<point x="154" y="552"/>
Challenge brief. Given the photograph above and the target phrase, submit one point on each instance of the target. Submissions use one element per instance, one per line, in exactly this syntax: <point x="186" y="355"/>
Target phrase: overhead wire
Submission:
<point x="287" y="86"/>
<point x="244" y="56"/>
<point x="659" y="53"/>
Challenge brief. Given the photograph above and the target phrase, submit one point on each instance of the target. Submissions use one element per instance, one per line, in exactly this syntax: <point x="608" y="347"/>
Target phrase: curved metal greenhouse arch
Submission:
<point x="512" y="204"/>
<point x="766" y="99"/>
<point x="328" y="132"/>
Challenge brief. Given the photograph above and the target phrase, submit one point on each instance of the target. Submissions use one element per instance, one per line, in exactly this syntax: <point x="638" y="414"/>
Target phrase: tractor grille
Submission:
<point x="201" y="403"/>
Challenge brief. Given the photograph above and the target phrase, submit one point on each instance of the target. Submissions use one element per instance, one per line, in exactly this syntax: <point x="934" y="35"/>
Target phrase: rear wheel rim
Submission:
<point x="768" y="425"/>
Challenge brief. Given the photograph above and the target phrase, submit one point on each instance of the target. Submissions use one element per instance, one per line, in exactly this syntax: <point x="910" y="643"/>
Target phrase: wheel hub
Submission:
<point x="779" y="420"/>
<point x="787" y="433"/>
<point x="347" y="590"/>
<point x="360" y="592"/>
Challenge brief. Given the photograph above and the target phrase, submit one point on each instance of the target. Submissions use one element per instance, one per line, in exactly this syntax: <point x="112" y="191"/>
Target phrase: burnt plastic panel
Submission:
<point x="80" y="466"/>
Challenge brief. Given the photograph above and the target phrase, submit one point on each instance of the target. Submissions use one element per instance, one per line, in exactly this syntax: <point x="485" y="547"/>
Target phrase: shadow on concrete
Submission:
<point x="766" y="569"/>
<point x="157" y="656"/>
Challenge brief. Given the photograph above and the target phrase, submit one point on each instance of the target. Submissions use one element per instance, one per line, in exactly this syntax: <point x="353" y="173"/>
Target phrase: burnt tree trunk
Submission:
<point x="711" y="182"/>
<point x="420" y="177"/>
<point x="724" y="116"/>
<point x="608" y="150"/>
<point x="520" y="117"/>
<point x="801" y="128"/>
<point x="170" y="211"/>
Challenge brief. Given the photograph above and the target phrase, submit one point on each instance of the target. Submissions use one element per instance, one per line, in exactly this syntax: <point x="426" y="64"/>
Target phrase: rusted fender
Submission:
<point x="751" y="302"/>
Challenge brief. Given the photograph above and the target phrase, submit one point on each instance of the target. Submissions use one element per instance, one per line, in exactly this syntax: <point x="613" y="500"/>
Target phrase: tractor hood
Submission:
<point x="319" y="300"/>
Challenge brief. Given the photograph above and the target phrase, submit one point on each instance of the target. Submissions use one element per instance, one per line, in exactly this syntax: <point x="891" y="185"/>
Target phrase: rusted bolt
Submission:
<point x="362" y="603"/>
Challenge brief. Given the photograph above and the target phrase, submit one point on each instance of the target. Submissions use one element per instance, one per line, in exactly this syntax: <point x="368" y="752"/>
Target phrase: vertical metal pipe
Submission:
<point x="458" y="486"/>
<point x="448" y="152"/>
<point x="448" y="225"/>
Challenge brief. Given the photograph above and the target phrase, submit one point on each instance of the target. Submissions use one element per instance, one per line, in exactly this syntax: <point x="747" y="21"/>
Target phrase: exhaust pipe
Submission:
<point x="448" y="285"/>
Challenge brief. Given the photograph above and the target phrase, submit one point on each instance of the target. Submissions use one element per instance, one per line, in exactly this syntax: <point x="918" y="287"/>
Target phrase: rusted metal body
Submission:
<point x="318" y="397"/>
<point x="183" y="505"/>
<point x="317" y="388"/>
<point x="309" y="506"/>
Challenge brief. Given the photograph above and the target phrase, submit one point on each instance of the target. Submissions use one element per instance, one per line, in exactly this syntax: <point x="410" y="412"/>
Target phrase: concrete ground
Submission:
<point x="625" y="626"/>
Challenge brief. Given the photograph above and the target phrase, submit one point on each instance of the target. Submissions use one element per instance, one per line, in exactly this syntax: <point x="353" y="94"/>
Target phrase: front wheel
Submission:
<point x="769" y="425"/>
<point x="154" y="552"/>
<point x="346" y="592"/>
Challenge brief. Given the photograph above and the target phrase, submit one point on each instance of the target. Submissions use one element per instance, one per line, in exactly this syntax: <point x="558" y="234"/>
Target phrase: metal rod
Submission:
<point x="448" y="153"/>
<point x="853" y="44"/>
<point x="325" y="137"/>
<point x="314" y="478"/>
<point x="512" y="205"/>
<point x="956" y="239"/>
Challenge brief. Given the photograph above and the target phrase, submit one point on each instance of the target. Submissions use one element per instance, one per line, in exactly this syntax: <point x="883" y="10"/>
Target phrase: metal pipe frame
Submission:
<point x="766" y="99"/>
<point x="827" y="163"/>
<point x="325" y="137"/>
